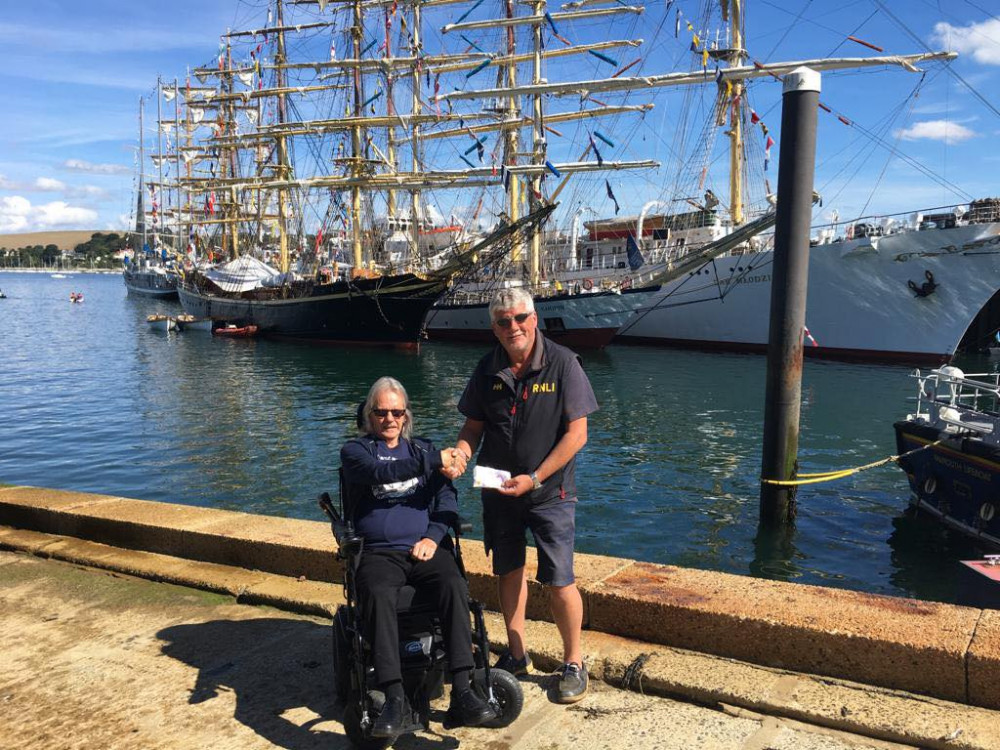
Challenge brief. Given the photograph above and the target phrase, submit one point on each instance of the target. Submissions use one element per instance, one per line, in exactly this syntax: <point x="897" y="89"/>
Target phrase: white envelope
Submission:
<point x="484" y="476"/>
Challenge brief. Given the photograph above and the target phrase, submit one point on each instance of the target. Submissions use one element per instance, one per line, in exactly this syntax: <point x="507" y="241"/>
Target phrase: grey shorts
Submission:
<point x="552" y="525"/>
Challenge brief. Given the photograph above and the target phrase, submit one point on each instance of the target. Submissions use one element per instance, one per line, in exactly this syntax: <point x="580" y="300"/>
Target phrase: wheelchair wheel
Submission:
<point x="509" y="698"/>
<point x="352" y="727"/>
<point x="341" y="659"/>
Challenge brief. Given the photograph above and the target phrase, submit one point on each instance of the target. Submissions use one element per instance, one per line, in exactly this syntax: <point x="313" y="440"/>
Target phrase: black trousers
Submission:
<point x="380" y="576"/>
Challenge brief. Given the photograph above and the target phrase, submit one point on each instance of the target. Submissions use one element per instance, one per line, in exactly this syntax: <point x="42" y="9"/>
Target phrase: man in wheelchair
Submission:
<point x="401" y="507"/>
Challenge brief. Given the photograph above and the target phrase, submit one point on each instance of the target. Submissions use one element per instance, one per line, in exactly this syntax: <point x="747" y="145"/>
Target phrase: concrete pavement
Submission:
<point x="94" y="660"/>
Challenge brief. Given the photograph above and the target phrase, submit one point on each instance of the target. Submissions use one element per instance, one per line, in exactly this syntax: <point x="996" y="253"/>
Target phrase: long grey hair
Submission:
<point x="385" y="383"/>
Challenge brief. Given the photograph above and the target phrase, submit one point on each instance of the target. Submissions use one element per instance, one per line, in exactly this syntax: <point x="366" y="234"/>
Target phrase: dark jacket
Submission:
<point x="390" y="523"/>
<point x="525" y="417"/>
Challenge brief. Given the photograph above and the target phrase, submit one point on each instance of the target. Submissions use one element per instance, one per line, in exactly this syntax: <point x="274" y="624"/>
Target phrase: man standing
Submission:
<point x="528" y="400"/>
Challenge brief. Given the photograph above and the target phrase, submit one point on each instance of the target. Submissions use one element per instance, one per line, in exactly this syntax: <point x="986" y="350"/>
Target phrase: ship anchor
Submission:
<point x="925" y="289"/>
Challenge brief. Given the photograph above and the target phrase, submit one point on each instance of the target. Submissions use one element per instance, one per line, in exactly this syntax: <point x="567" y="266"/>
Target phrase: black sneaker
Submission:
<point x="573" y="681"/>
<point x="517" y="667"/>
<point x="468" y="710"/>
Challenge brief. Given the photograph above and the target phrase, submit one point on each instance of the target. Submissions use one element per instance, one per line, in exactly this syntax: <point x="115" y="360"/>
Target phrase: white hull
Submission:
<point x="859" y="301"/>
<point x="576" y="320"/>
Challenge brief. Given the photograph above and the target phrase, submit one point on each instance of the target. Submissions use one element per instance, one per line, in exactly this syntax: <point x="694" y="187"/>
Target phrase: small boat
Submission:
<point x="950" y="451"/>
<point x="234" y="331"/>
<point x="58" y="276"/>
<point x="160" y="322"/>
<point x="2" y="295"/>
<point x="191" y="323"/>
<point x="76" y="296"/>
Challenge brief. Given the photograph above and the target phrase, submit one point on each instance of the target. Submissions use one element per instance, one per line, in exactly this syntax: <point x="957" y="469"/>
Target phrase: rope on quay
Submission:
<point x="829" y="476"/>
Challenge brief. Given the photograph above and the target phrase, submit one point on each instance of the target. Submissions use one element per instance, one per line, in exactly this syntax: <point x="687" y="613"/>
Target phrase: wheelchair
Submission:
<point x="423" y="658"/>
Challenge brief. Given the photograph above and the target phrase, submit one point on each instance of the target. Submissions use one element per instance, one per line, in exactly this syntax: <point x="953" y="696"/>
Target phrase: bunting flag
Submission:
<point x="319" y="239"/>
<point x="632" y="64"/>
<point x="593" y="145"/>
<point x="767" y="152"/>
<point x="169" y="94"/>
<point x="472" y="44"/>
<point x="466" y="14"/>
<point x="635" y="259"/>
<point x="604" y="138"/>
<point x="604" y="58"/>
<point x="754" y="117"/>
<point x="246" y="78"/>
<point x="611" y="195"/>
<point x="484" y="64"/>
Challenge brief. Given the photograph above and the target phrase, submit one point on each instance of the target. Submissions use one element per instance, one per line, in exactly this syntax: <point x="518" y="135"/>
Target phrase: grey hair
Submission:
<point x="385" y="383"/>
<point x="508" y="299"/>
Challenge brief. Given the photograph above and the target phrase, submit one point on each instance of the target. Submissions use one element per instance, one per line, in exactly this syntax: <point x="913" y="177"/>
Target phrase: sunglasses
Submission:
<point x="506" y="322"/>
<point x="382" y="413"/>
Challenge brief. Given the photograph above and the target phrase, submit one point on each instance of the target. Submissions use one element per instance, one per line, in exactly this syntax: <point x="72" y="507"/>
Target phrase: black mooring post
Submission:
<point x="789" y="280"/>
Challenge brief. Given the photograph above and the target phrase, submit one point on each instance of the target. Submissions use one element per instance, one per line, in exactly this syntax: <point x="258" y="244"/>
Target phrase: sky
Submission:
<point x="74" y="73"/>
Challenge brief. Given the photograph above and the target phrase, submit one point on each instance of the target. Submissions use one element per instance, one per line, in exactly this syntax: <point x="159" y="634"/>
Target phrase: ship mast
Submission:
<point x="538" y="138"/>
<point x="415" y="143"/>
<point x="736" y="57"/>
<point x="140" y="210"/>
<point x="357" y="31"/>
<point x="281" y="144"/>
<point x="158" y="238"/>
<point x="510" y="145"/>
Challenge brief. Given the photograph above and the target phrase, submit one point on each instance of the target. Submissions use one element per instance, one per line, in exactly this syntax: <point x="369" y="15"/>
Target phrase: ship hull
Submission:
<point x="150" y="284"/>
<point x="861" y="303"/>
<point x="954" y="479"/>
<point x="579" y="321"/>
<point x="386" y="311"/>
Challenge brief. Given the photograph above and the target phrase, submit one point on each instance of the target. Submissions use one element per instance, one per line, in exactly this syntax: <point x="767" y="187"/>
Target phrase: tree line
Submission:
<point x="97" y="252"/>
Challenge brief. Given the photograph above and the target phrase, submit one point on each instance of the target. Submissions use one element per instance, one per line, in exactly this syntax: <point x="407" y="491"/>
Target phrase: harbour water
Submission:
<point x="93" y="400"/>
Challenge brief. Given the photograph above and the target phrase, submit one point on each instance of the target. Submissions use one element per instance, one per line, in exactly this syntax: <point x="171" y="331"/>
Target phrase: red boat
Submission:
<point x="234" y="331"/>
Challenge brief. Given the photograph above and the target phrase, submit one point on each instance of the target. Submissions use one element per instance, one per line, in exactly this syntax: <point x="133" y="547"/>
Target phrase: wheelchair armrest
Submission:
<point x="461" y="525"/>
<point x="348" y="542"/>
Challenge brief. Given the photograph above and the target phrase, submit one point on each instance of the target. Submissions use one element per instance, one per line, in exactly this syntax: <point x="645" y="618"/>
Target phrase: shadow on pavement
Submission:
<point x="280" y="671"/>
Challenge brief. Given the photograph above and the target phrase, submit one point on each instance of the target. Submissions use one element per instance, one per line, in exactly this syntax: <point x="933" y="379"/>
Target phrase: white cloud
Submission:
<point x="937" y="130"/>
<point x="14" y="212"/>
<point x="17" y="214"/>
<point x="981" y="40"/>
<point x="48" y="185"/>
<point x="79" y="165"/>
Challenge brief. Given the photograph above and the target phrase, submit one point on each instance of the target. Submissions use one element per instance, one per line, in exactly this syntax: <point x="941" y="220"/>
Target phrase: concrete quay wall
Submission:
<point x="945" y="651"/>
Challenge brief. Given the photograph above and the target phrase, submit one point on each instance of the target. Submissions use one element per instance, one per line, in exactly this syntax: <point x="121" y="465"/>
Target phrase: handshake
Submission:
<point x="454" y="462"/>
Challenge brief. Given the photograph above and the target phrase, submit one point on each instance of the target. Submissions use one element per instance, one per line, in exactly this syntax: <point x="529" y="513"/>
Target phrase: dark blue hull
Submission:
<point x="957" y="480"/>
<point x="388" y="310"/>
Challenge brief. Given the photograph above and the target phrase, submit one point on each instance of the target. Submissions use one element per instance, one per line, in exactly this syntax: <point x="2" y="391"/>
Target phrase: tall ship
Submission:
<point x="147" y="272"/>
<point x="912" y="287"/>
<point x="297" y="190"/>
<point x="637" y="269"/>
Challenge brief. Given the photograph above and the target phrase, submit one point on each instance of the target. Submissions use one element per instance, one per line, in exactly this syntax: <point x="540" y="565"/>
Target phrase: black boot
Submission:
<point x="391" y="721"/>
<point x="468" y="710"/>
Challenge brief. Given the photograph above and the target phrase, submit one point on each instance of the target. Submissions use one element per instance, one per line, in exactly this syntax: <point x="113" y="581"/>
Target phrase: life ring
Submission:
<point x="588" y="284"/>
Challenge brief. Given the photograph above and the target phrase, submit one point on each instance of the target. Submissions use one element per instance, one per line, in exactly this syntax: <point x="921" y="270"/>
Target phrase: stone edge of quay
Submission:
<point x="944" y="651"/>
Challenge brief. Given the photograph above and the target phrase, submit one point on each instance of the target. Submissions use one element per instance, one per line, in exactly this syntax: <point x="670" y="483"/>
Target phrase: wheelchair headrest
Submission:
<point x="360" y="417"/>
